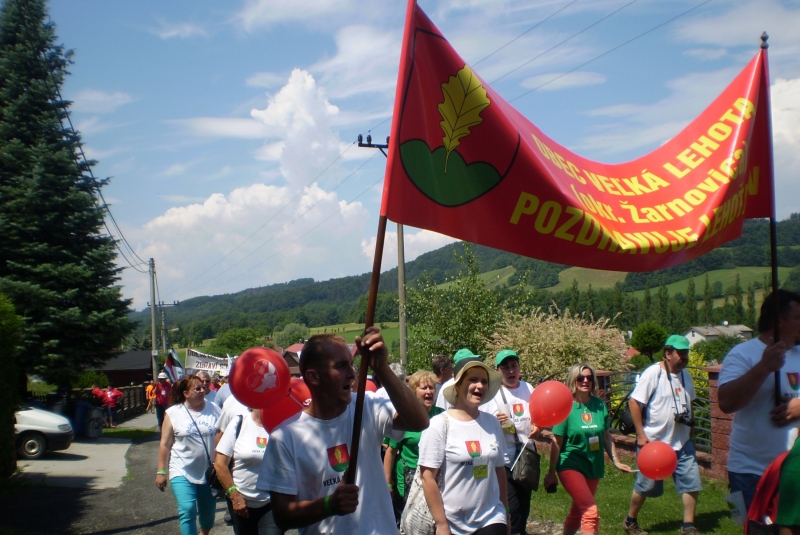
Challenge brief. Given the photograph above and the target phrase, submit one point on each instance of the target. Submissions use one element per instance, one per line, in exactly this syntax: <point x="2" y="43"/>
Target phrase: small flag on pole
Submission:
<point x="173" y="367"/>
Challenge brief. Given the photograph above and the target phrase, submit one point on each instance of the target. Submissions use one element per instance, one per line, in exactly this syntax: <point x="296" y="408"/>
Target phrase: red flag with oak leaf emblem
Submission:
<point x="465" y="163"/>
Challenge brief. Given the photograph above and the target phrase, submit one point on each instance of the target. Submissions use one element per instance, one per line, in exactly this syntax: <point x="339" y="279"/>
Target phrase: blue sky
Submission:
<point x="228" y="128"/>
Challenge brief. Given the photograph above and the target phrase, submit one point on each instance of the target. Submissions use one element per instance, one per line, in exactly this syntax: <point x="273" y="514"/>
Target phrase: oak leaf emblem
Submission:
<point x="464" y="99"/>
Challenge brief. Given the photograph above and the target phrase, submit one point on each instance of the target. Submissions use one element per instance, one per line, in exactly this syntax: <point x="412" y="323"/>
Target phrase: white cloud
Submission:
<point x="260" y="13"/>
<point x="97" y="101"/>
<point x="181" y="30"/>
<point x="177" y="169"/>
<point x="265" y="79"/>
<point x="301" y="115"/>
<point x="556" y="81"/>
<point x="415" y="243"/>
<point x="224" y="127"/>
<point x="786" y="144"/>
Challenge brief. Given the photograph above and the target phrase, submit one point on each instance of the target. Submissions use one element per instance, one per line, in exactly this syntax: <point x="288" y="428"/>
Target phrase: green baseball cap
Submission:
<point x="678" y="342"/>
<point x="503" y="355"/>
<point x="462" y="354"/>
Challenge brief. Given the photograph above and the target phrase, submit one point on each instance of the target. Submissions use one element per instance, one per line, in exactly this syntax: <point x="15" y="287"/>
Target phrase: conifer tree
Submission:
<point x="691" y="304"/>
<point x="56" y="263"/>
<point x="708" y="303"/>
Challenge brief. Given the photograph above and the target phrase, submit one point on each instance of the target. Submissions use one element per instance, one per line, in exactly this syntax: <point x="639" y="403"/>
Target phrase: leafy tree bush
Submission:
<point x="648" y="338"/>
<point x="443" y="319"/>
<point x="715" y="350"/>
<point x="549" y="343"/>
<point x="291" y="334"/>
<point x="234" y="341"/>
<point x="89" y="378"/>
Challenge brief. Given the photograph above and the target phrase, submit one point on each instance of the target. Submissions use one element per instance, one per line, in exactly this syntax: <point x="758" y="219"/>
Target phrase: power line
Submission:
<point x="595" y="23"/>
<point x="654" y="28"/>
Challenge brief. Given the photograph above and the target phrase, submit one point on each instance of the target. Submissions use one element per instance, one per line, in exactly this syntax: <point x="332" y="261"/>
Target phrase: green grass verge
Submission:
<point x="131" y="433"/>
<point x="662" y="515"/>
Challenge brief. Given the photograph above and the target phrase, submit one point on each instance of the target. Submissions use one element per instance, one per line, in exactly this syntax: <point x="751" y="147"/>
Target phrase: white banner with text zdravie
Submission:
<point x="197" y="362"/>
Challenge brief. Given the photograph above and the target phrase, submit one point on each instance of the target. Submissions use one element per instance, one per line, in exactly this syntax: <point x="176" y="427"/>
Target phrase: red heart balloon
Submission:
<point x="550" y="403"/>
<point x="259" y="378"/>
<point x="657" y="460"/>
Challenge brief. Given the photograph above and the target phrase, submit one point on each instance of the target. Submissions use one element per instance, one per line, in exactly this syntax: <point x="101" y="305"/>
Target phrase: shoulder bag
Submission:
<point x="211" y="472"/>
<point x="416" y="518"/>
<point x="526" y="470"/>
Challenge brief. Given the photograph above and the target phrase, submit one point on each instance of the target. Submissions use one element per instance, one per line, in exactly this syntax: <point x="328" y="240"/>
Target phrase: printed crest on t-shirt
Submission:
<point x="339" y="457"/>
<point x="518" y="409"/>
<point x="261" y="442"/>
<point x="473" y="448"/>
<point x="586" y="418"/>
<point x="794" y="380"/>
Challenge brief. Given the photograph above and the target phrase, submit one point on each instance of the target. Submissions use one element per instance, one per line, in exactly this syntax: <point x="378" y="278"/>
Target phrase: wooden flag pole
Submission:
<point x="350" y="475"/>
<point x="773" y="234"/>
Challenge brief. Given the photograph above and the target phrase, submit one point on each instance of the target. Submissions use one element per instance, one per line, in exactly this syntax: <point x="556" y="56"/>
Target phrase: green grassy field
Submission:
<point x="598" y="279"/>
<point x="658" y="515"/>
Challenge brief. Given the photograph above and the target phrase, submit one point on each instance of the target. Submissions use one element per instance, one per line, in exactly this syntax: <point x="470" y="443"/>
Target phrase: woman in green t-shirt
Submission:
<point x="577" y="451"/>
<point x="400" y="471"/>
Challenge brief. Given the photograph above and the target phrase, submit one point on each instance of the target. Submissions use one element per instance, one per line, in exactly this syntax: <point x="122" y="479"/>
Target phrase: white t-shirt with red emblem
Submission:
<point x="517" y="400"/>
<point x="248" y="454"/>
<point x="469" y="453"/>
<point x="306" y="457"/>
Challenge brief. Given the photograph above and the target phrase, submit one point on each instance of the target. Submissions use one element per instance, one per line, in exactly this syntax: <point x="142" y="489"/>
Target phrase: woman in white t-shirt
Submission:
<point x="245" y="440"/>
<point x="467" y="445"/>
<point x="187" y="440"/>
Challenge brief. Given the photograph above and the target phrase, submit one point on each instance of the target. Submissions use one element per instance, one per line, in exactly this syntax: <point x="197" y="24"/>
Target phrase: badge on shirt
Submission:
<point x="594" y="443"/>
<point x="794" y="380"/>
<point x="474" y="448"/>
<point x="480" y="469"/>
<point x="586" y="418"/>
<point x="261" y="442"/>
<point x="339" y="457"/>
<point x="518" y="409"/>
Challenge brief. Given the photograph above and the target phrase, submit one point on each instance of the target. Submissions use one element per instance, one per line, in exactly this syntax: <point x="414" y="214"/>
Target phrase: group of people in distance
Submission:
<point x="455" y="440"/>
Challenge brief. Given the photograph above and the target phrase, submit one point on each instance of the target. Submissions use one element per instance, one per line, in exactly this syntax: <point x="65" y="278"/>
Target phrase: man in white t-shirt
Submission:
<point x="510" y="405"/>
<point x="210" y="394"/>
<point x="462" y="354"/>
<point x="308" y="455"/>
<point x="762" y="429"/>
<point x="661" y="409"/>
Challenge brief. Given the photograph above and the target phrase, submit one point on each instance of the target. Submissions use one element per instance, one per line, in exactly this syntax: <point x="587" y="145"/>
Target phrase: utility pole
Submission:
<point x="401" y="263"/>
<point x="152" y="304"/>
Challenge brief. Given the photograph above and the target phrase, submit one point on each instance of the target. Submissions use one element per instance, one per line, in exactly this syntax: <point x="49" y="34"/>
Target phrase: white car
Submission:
<point x="37" y="431"/>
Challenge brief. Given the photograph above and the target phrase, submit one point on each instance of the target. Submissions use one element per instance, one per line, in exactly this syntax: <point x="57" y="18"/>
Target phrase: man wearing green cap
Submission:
<point x="661" y="408"/>
<point x="510" y="405"/>
<point x="461" y="357"/>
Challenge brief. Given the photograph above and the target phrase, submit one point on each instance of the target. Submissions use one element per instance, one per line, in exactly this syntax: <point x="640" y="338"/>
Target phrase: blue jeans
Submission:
<point x="739" y="481"/>
<point x="193" y="498"/>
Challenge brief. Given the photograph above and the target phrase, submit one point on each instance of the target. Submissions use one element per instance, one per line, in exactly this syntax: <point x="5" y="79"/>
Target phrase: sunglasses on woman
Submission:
<point x="586" y="378"/>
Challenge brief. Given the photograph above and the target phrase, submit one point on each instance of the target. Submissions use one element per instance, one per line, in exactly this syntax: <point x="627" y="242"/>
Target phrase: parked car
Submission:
<point x="37" y="431"/>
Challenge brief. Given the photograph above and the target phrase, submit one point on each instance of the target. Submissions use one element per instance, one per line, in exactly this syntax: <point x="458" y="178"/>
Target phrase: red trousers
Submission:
<point x="583" y="513"/>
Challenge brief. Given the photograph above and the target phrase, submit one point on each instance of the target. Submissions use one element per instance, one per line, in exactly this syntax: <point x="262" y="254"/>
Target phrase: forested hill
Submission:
<point x="341" y="300"/>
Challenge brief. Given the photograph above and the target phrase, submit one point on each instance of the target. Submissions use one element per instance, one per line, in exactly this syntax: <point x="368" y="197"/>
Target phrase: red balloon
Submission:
<point x="259" y="378"/>
<point x="278" y="412"/>
<point x="371" y="387"/>
<point x="550" y="403"/>
<point x="657" y="460"/>
<point x="299" y="391"/>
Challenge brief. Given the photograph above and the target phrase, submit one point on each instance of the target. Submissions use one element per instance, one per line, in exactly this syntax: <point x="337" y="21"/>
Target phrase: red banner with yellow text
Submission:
<point x="463" y="162"/>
